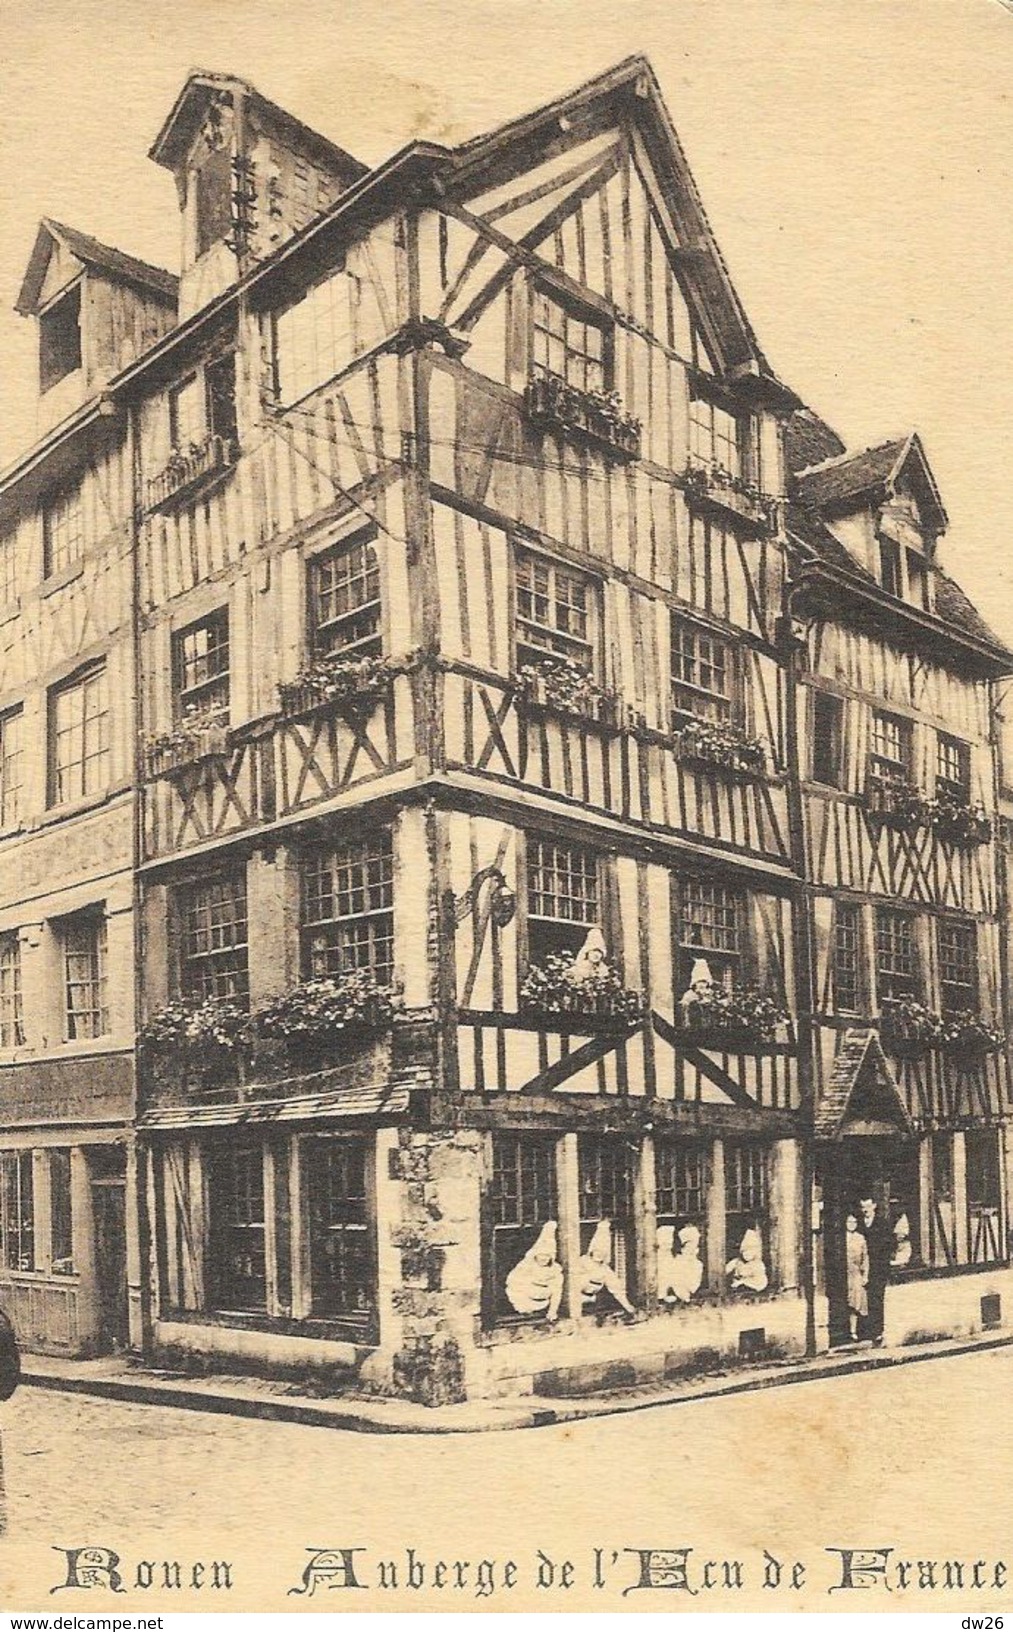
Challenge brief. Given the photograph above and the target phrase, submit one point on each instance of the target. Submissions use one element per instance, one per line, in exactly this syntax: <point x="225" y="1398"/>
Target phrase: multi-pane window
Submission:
<point x="201" y="665"/>
<point x="714" y="436"/>
<point x="746" y="1193"/>
<point x="847" y="958"/>
<point x="556" y="609"/>
<point x="568" y="343"/>
<point x="10" y="578"/>
<point x="953" y="766"/>
<point x="341" y="1239"/>
<point x="345" y="600"/>
<point x="890" y="747"/>
<point x="827" y="739"/>
<point x="956" y="940"/>
<point x="236" y="1233"/>
<point x="17" y="1210"/>
<point x="60" y="338"/>
<point x="11" y="739"/>
<point x="62" y="530"/>
<point x="896" y="957"/>
<point x="61" y="1235"/>
<point x="79" y="726"/>
<point x="703" y="673"/>
<point x="682" y="1174"/>
<point x="348" y="908"/>
<point x="605" y="1180"/>
<point x="710" y="922"/>
<point x="12" y="1031"/>
<point x="522" y="1201"/>
<point x="213" y="949"/>
<point x="204" y="404"/>
<point x="320" y="335"/>
<point x="563" y="896"/>
<point x="85" y="977"/>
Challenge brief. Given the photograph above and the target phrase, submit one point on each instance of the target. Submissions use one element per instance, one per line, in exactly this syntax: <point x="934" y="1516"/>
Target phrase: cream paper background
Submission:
<point x="854" y="160"/>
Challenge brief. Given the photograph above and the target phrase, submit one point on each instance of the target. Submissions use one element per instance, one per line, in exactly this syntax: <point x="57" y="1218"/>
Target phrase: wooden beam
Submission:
<point x="570" y="1064"/>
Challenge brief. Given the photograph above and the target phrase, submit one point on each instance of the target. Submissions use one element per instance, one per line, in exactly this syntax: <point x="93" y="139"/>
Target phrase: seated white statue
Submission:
<point x="535" y="1284"/>
<point x="679" y="1273"/>
<point x="902" y="1250"/>
<point x="748" y="1271"/>
<point x="595" y="1272"/>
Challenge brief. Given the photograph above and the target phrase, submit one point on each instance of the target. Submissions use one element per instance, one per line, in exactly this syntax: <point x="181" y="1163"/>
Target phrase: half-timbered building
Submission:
<point x="495" y="614"/>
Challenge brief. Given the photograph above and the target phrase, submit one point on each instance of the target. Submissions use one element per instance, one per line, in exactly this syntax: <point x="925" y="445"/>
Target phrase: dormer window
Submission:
<point x="213" y="198"/>
<point x="889" y="567"/>
<point x="60" y="339"/>
<point x="904" y="572"/>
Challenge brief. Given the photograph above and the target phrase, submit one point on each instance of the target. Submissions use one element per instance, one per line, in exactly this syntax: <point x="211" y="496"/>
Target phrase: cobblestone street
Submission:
<point x="152" y="1483"/>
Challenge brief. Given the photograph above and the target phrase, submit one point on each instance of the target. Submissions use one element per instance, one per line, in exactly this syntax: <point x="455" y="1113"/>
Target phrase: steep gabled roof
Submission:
<point x="631" y="89"/>
<point x="113" y="262"/>
<point x="191" y="105"/>
<point x="850" y="479"/>
<point x="809" y="440"/>
<point x="860" y="1089"/>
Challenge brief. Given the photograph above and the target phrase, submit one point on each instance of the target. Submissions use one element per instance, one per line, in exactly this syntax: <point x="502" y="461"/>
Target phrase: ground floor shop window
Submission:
<point x="984" y="1197"/>
<point x="747" y="1223"/>
<point x="342" y="1266"/>
<point x="237" y="1232"/>
<point x="682" y="1179"/>
<point x="17" y="1210"/>
<point x="525" y="1275"/>
<point x="607" y="1263"/>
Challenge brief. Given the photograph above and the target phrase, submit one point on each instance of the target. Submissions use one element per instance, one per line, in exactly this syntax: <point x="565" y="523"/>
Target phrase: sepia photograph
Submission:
<point x="506" y="807"/>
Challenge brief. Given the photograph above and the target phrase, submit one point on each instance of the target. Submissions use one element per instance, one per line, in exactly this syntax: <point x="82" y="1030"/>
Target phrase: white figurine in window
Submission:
<point x="902" y="1250"/>
<point x="748" y="1271"/>
<point x="679" y="1273"/>
<point x="595" y="1270"/>
<point x="535" y="1284"/>
<point x="589" y="963"/>
<point x="701" y="985"/>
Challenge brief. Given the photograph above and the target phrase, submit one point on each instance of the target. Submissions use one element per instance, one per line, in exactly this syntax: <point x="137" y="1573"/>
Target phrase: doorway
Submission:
<point x="108" y="1196"/>
<point x="850" y="1168"/>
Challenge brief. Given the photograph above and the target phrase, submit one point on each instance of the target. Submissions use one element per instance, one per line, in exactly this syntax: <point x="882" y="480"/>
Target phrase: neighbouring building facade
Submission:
<point x="506" y="852"/>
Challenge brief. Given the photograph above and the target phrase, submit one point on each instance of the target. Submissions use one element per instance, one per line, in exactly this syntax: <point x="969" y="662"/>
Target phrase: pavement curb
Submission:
<point x="495" y="1417"/>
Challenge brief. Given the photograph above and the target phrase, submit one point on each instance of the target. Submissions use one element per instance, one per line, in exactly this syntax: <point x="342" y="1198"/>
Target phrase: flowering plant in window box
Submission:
<point x="733" y="492"/>
<point x="597" y="416"/>
<point x="908" y="1027"/>
<point x="197" y="736"/>
<point x="896" y="803"/>
<point x="198" y="1042"/>
<point x="362" y="681"/>
<point x="325" y="1008"/>
<point x="564" y="687"/>
<point x="961" y="1032"/>
<point x="733" y="1017"/>
<point x="958" y="821"/>
<point x="188" y="468"/>
<point x="550" y="987"/>
<point x="720" y="747"/>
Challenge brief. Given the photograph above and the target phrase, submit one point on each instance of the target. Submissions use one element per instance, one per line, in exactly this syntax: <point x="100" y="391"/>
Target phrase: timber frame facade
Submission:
<point x="535" y="790"/>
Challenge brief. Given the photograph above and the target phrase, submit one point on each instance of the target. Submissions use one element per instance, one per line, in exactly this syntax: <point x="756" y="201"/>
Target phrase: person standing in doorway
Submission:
<point x="858" y="1274"/>
<point x="879" y="1243"/>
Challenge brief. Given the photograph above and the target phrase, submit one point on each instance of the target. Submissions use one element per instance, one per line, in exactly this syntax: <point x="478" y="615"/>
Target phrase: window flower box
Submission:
<point x="193" y="740"/>
<point x="958" y="822"/>
<point x="318" y="1015"/>
<point x="550" y="988"/>
<point x="196" y="1046"/>
<point x="896" y="804"/>
<point x="716" y="485"/>
<point x="963" y="1034"/>
<point x="190" y="469"/>
<point x="559" y="686"/>
<point x="356" y="682"/>
<point x="732" y="1018"/>
<point x="721" y="748"/>
<point x="908" y="1028"/>
<point x="597" y="417"/>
